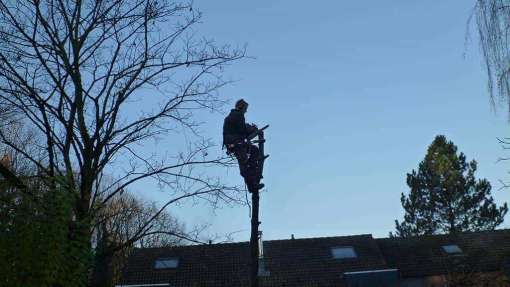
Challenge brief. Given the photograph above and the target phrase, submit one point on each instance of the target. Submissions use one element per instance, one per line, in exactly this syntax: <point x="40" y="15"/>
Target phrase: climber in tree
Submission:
<point x="235" y="138"/>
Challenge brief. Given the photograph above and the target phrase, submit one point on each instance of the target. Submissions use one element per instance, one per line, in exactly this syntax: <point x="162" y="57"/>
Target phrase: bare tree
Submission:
<point x="493" y="18"/>
<point x="125" y="215"/>
<point x="493" y="22"/>
<point x="98" y="80"/>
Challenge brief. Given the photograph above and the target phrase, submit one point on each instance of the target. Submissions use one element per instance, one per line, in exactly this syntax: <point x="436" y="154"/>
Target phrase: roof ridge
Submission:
<point x="192" y="245"/>
<point x="321" y="237"/>
<point x="247" y="242"/>
<point x="444" y="235"/>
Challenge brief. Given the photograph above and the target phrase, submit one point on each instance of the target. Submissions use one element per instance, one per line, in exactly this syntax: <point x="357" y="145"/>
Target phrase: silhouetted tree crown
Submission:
<point x="445" y="196"/>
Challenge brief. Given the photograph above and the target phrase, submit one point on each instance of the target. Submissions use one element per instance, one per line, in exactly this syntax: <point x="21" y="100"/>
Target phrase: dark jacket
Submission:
<point x="234" y="127"/>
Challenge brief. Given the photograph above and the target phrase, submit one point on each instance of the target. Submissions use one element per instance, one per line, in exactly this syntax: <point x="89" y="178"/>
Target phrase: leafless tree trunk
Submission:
<point x="98" y="80"/>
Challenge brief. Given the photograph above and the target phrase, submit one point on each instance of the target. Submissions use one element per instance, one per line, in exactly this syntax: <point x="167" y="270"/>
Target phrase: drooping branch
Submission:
<point x="493" y="18"/>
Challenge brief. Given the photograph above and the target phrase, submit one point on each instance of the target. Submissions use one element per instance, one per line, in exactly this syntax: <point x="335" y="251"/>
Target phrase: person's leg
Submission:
<point x="248" y="159"/>
<point x="253" y="172"/>
<point x="241" y="154"/>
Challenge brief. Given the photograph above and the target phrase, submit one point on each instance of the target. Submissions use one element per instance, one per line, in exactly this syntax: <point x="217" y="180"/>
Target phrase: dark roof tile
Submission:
<point x="421" y="256"/>
<point x="290" y="262"/>
<point x="298" y="262"/>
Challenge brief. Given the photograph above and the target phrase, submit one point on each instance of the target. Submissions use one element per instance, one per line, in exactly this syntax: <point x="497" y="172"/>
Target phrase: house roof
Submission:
<point x="298" y="262"/>
<point x="290" y="263"/>
<point x="424" y="255"/>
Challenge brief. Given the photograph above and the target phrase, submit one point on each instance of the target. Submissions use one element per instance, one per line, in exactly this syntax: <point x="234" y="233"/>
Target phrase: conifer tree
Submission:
<point x="445" y="197"/>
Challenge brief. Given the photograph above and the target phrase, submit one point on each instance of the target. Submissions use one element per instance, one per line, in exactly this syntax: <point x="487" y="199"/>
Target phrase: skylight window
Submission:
<point x="452" y="249"/>
<point x="166" y="263"/>
<point x="343" y="252"/>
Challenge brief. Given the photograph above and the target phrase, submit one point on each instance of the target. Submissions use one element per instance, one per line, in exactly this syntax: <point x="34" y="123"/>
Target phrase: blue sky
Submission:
<point x="354" y="91"/>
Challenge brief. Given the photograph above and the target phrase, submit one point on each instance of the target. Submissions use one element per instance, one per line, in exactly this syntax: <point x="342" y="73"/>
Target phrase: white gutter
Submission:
<point x="371" y="271"/>
<point x="144" y="285"/>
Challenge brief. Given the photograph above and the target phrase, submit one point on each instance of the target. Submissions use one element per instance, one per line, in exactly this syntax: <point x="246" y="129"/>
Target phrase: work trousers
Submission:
<point x="247" y="156"/>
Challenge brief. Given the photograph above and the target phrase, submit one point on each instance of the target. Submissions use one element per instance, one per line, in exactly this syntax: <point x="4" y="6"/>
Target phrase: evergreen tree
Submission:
<point x="445" y="196"/>
<point x="36" y="239"/>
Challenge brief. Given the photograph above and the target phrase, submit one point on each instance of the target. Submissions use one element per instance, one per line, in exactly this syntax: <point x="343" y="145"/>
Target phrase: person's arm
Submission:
<point x="242" y="125"/>
<point x="250" y="128"/>
<point x="237" y="124"/>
